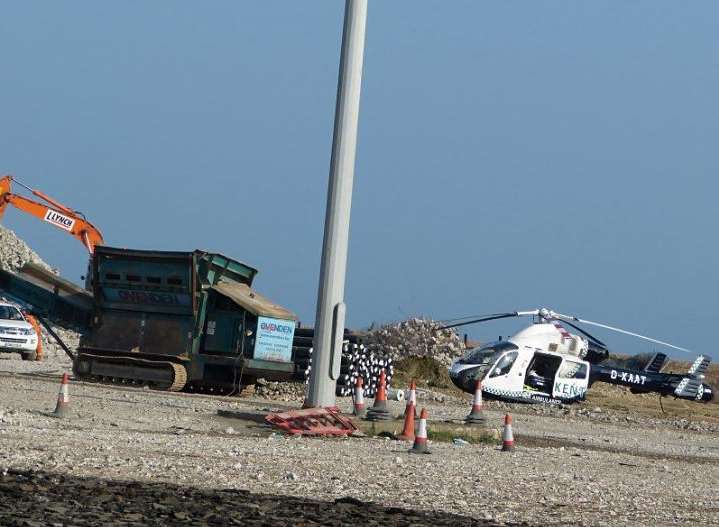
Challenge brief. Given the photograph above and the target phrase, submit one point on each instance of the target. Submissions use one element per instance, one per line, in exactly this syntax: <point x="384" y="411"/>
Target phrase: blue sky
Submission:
<point x="511" y="154"/>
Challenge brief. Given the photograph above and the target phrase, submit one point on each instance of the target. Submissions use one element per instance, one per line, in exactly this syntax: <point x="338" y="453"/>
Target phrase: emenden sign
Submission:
<point x="274" y="339"/>
<point x="59" y="220"/>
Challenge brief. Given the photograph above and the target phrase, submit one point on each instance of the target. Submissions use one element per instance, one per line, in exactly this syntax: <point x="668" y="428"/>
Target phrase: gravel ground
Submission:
<point x="574" y="469"/>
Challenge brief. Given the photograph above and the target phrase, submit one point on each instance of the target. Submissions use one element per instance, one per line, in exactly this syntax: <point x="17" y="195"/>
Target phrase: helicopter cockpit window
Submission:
<point x="573" y="370"/>
<point x="504" y="364"/>
<point x="489" y="353"/>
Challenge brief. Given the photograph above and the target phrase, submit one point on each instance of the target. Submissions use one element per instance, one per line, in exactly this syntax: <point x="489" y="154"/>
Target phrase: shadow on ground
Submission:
<point x="32" y="499"/>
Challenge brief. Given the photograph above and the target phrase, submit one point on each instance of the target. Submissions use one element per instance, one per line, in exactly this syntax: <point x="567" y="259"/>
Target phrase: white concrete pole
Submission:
<point x="330" y="320"/>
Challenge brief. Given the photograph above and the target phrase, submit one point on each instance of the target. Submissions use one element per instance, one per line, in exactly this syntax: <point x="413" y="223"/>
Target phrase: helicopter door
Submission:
<point x="502" y="377"/>
<point x="572" y="380"/>
<point x="542" y="372"/>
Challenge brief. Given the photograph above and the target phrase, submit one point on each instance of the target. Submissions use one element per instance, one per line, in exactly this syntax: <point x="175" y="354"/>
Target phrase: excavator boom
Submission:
<point x="52" y="212"/>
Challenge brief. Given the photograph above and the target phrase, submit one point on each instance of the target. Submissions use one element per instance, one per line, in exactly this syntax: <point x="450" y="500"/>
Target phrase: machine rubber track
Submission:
<point x="178" y="372"/>
<point x="179" y="379"/>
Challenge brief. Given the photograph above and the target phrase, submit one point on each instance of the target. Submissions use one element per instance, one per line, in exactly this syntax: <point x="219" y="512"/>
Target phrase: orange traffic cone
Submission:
<point x="476" y="416"/>
<point x="63" y="398"/>
<point x="507" y="436"/>
<point x="409" y="413"/>
<point x="379" y="412"/>
<point x="359" y="408"/>
<point x="420" y="440"/>
<point x="412" y="399"/>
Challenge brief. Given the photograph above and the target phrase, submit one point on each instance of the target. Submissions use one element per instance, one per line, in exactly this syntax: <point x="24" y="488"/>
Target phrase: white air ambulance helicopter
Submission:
<point x="544" y="363"/>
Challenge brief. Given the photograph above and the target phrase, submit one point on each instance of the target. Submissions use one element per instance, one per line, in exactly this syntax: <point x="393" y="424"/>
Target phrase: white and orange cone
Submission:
<point x="420" y="439"/>
<point x="359" y="407"/>
<point x="409" y="417"/>
<point x="63" y="398"/>
<point x="379" y="411"/>
<point x="476" y="416"/>
<point x="412" y="399"/>
<point x="507" y="436"/>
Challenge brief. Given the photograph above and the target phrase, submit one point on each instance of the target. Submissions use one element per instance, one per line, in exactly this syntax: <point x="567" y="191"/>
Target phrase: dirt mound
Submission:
<point x="425" y="370"/>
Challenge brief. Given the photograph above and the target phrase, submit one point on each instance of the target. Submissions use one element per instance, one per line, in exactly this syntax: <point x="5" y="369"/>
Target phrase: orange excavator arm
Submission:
<point x="52" y="212"/>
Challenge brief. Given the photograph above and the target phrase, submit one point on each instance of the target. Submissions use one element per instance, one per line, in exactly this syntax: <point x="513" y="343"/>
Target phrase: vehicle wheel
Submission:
<point x="30" y="355"/>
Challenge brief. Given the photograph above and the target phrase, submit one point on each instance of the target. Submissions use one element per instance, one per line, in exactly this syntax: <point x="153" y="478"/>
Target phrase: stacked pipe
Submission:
<point x="301" y="352"/>
<point x="357" y="362"/>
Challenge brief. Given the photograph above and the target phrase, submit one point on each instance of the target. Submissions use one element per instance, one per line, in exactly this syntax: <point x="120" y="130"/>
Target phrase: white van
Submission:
<point x="16" y="334"/>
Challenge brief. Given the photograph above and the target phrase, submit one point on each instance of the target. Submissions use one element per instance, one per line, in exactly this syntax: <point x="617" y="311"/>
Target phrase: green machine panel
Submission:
<point x="223" y="331"/>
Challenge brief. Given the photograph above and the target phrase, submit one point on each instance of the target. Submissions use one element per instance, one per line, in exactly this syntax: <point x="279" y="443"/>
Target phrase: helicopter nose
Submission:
<point x="464" y="378"/>
<point x="456" y="380"/>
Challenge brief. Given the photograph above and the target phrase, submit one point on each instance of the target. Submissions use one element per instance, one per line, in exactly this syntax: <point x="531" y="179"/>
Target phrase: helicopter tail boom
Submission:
<point x="684" y="386"/>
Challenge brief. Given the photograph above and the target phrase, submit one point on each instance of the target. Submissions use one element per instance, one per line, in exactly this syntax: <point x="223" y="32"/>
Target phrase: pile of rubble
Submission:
<point x="284" y="391"/>
<point x="14" y="252"/>
<point x="416" y="337"/>
<point x="51" y="349"/>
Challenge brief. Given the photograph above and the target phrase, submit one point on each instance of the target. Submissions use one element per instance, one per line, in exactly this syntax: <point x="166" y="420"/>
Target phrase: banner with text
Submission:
<point x="274" y="339"/>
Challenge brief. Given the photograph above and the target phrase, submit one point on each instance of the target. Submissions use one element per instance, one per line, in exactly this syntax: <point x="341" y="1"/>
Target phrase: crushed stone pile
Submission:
<point x="416" y="337"/>
<point x="14" y="252"/>
<point x="284" y="391"/>
<point x="51" y="349"/>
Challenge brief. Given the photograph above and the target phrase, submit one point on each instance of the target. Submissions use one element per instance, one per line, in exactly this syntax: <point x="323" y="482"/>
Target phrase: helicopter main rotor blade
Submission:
<point x="495" y="316"/>
<point x="618" y="330"/>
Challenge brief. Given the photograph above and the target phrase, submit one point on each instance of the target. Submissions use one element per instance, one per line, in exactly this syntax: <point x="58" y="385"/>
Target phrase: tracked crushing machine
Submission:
<point x="180" y="320"/>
